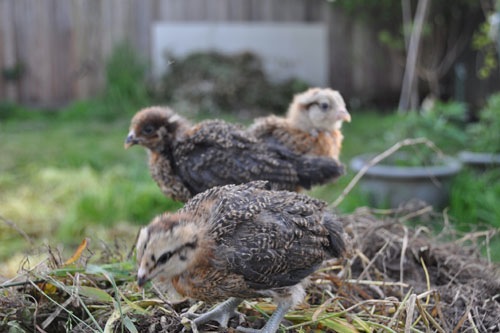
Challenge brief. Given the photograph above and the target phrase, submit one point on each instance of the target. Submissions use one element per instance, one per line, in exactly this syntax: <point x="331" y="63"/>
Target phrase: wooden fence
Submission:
<point x="54" y="51"/>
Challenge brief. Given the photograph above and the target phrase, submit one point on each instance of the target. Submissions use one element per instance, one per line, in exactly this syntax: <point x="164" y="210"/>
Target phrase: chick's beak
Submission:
<point x="344" y="115"/>
<point x="141" y="277"/>
<point x="130" y="140"/>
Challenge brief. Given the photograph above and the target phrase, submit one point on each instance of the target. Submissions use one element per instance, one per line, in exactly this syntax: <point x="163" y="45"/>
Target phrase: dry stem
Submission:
<point x="377" y="159"/>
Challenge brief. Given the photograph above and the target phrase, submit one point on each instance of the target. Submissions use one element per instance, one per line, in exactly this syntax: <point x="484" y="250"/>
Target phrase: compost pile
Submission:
<point x="399" y="277"/>
<point x="440" y="282"/>
<point x="212" y="82"/>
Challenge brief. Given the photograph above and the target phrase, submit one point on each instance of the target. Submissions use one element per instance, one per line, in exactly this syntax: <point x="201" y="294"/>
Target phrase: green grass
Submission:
<point x="62" y="180"/>
<point x="64" y="177"/>
<point x="67" y="176"/>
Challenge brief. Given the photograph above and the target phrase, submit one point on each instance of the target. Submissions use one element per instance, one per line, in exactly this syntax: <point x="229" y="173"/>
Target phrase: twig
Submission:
<point x="378" y="283"/>
<point x="70" y="313"/>
<point x="423" y="314"/>
<point x="477" y="234"/>
<point x="18" y="284"/>
<point x="372" y="261"/>
<point x="473" y="324"/>
<point x="401" y="307"/>
<point x="16" y="228"/>
<point x="426" y="209"/>
<point x="440" y="314"/>
<point x="427" y="317"/>
<point x="377" y="159"/>
<point x="410" y="309"/>
<point x="74" y="295"/>
<point x="488" y="249"/>
<point x="56" y="313"/>
<point x="462" y="320"/>
<point x="427" y="279"/>
<point x="39" y="329"/>
<point x="403" y="257"/>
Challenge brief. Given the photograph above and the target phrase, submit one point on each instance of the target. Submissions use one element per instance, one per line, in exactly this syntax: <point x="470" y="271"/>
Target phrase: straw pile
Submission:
<point x="398" y="278"/>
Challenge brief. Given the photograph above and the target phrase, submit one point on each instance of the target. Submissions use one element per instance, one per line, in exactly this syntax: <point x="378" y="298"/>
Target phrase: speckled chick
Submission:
<point x="312" y="124"/>
<point x="240" y="241"/>
<point x="187" y="159"/>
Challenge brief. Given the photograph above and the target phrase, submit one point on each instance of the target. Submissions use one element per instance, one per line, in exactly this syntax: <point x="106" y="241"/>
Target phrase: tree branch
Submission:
<point x="412" y="56"/>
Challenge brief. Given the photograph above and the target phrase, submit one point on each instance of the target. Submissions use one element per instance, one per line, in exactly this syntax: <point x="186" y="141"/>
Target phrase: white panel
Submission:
<point x="287" y="50"/>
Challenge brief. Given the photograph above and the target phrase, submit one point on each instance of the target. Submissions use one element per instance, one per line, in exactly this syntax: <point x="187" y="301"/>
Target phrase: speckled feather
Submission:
<point x="186" y="160"/>
<point x="252" y="241"/>
<point x="214" y="153"/>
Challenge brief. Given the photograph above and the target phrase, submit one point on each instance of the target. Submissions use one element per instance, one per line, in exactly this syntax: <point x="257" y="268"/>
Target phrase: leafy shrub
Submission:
<point x="126" y="89"/>
<point x="126" y="78"/>
<point x="444" y="124"/>
<point x="214" y="82"/>
<point x="484" y="135"/>
<point x="10" y="110"/>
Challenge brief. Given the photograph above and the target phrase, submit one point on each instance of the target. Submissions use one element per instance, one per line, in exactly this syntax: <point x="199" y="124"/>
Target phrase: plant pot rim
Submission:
<point x="471" y="157"/>
<point x="450" y="166"/>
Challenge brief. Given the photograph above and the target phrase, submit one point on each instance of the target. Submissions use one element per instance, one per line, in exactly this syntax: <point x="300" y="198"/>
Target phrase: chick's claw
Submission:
<point x="222" y="313"/>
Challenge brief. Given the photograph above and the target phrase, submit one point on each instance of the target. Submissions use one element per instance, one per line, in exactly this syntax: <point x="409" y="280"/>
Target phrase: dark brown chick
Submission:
<point x="312" y="124"/>
<point x="240" y="241"/>
<point x="187" y="159"/>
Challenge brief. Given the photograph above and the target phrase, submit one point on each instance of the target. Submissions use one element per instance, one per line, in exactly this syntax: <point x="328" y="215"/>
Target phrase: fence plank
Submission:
<point x="141" y="26"/>
<point x="8" y="61"/>
<point x="64" y="44"/>
<point x="217" y="10"/>
<point x="62" y="53"/>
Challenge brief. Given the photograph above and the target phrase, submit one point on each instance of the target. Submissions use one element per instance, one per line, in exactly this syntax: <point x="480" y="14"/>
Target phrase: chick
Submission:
<point x="240" y="241"/>
<point x="187" y="159"/>
<point x="312" y="124"/>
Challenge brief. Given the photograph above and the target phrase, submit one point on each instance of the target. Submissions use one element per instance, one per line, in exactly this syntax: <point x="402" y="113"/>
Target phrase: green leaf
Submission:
<point x="362" y="324"/>
<point x="129" y="325"/>
<point x="95" y="293"/>
<point x="14" y="327"/>
<point x="339" y="326"/>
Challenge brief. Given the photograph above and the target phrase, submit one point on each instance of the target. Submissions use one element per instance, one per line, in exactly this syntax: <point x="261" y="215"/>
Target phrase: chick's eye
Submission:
<point x="148" y="130"/>
<point x="324" y="106"/>
<point x="164" y="258"/>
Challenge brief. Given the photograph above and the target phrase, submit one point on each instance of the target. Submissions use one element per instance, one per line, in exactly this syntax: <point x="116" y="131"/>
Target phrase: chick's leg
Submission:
<point x="273" y="323"/>
<point x="221" y="313"/>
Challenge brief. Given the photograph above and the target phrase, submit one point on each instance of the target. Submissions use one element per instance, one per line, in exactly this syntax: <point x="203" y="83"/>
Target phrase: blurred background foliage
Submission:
<point x="449" y="27"/>
<point x="67" y="175"/>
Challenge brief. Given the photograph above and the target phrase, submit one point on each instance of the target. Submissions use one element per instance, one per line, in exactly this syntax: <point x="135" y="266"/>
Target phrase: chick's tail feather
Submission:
<point x="338" y="239"/>
<point x="318" y="170"/>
